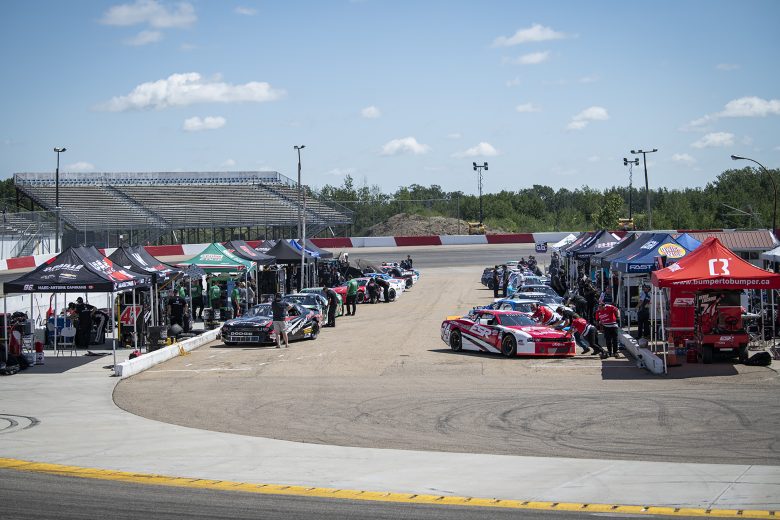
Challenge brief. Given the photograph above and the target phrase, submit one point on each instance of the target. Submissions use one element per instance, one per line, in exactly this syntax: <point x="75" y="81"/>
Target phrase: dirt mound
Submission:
<point x="409" y="225"/>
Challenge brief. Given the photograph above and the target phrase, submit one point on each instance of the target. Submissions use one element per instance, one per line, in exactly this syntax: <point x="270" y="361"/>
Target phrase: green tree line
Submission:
<point x="742" y="198"/>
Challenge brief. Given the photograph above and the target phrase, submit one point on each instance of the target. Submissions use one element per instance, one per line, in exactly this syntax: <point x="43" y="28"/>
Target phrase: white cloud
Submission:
<point x="229" y="163"/>
<point x="748" y="106"/>
<point x="515" y="82"/>
<point x="715" y="140"/>
<point x="535" y="33"/>
<point x="150" y="12"/>
<point x="188" y="89"/>
<point x="727" y="66"/>
<point x="533" y="58"/>
<point x="341" y="172"/>
<point x="683" y="158"/>
<point x="246" y="11"/>
<point x="371" y="112"/>
<point x="594" y="159"/>
<point x="581" y="120"/>
<point x="186" y="47"/>
<point x="483" y="149"/>
<point x="144" y="38"/>
<point x="80" y="166"/>
<point x="528" y="107"/>
<point x="404" y="145"/>
<point x="196" y="124"/>
<point x="454" y="135"/>
<point x="588" y="79"/>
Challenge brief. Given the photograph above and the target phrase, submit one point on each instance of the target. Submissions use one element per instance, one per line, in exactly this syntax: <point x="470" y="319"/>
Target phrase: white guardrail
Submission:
<point x="150" y="359"/>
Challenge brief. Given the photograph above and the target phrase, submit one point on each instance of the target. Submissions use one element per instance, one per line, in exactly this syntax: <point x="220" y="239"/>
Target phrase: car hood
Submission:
<point x="259" y="320"/>
<point x="541" y="332"/>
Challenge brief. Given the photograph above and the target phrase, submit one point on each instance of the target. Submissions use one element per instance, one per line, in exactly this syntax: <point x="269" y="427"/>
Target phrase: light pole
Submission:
<point x="630" y="165"/>
<point x="774" y="187"/>
<point x="58" y="151"/>
<point x="478" y="168"/>
<point x="300" y="218"/>
<point x="647" y="186"/>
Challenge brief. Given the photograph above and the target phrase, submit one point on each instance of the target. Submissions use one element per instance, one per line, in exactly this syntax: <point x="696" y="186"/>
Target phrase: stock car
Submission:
<point x="256" y="325"/>
<point x="537" y="288"/>
<point x="399" y="284"/>
<point x="510" y="333"/>
<point x="524" y="306"/>
<point x="314" y="302"/>
<point x="552" y="301"/>
<point x="318" y="290"/>
<point x="395" y="270"/>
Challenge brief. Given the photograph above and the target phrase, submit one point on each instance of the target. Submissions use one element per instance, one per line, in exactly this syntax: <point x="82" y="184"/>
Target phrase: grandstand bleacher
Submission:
<point x="167" y="207"/>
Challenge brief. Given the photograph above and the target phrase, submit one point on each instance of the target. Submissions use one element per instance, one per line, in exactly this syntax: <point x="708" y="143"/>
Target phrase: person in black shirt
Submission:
<point x="84" y="311"/>
<point x="279" y="311"/>
<point x="495" y="282"/>
<point x="177" y="307"/>
<point x="504" y="280"/>
<point x="333" y="303"/>
<point x="385" y="285"/>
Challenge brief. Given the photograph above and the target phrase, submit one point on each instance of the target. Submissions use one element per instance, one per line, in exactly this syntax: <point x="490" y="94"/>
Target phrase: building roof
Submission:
<point x="757" y="240"/>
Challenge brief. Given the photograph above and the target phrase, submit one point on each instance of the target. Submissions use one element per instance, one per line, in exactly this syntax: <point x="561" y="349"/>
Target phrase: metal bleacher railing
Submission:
<point x="153" y="204"/>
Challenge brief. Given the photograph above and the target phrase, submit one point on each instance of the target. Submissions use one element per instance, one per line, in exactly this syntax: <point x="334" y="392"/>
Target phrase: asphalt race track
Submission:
<point x="385" y="379"/>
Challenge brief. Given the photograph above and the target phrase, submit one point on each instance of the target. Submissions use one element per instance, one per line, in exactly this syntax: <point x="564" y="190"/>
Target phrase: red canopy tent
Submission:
<point x="713" y="266"/>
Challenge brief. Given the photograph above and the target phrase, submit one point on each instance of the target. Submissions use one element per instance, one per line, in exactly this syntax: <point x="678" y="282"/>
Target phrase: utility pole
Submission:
<point x="478" y="168"/>
<point x="301" y="228"/>
<point x="630" y="165"/>
<point x="647" y="186"/>
<point x="58" y="240"/>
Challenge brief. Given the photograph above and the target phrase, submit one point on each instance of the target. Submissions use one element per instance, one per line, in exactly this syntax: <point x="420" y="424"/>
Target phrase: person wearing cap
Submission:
<point x="608" y="316"/>
<point x="279" y="312"/>
<point x="84" y="311"/>
<point x="585" y="334"/>
<point x="643" y="312"/>
<point x="544" y="315"/>
<point x="333" y="303"/>
<point x="504" y="280"/>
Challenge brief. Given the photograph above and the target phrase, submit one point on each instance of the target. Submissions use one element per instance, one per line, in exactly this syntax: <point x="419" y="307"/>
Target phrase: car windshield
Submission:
<point x="510" y="320"/>
<point x="263" y="309"/>
<point x="303" y="299"/>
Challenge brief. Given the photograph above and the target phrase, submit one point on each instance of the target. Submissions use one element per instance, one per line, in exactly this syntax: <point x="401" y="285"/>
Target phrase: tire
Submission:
<point x="490" y="284"/>
<point x="409" y="283"/>
<point x="456" y="341"/>
<point x="361" y="297"/>
<point x="706" y="354"/>
<point x="743" y="353"/>
<point x="391" y="294"/>
<point x="315" y="330"/>
<point x="509" y="346"/>
<point x="228" y="343"/>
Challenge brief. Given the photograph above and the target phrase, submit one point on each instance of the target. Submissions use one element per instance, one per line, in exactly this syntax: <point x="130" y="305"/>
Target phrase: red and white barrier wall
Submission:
<point x="336" y="243"/>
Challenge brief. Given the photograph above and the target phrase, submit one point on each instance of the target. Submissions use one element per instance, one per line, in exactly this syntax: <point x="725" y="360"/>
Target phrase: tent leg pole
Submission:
<point x="111" y="313"/>
<point x="137" y="317"/>
<point x="5" y="325"/>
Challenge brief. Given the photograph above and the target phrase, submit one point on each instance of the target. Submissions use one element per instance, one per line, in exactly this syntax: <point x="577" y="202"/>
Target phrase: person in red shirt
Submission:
<point x="585" y="334"/>
<point x="608" y="317"/>
<point x="544" y="316"/>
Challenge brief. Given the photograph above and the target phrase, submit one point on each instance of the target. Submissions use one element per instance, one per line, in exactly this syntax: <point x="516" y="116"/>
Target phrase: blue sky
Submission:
<point x="393" y="92"/>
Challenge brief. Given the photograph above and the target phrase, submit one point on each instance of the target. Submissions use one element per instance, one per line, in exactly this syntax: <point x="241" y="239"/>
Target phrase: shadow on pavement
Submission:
<point x="61" y="364"/>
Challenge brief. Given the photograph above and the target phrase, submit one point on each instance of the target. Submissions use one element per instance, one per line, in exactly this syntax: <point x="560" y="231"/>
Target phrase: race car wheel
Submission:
<point x="315" y="330"/>
<point x="509" y="346"/>
<point x="456" y="341"/>
<point x="228" y="343"/>
<point x="391" y="294"/>
<point x="490" y="284"/>
<point x="361" y="297"/>
<point x="409" y="283"/>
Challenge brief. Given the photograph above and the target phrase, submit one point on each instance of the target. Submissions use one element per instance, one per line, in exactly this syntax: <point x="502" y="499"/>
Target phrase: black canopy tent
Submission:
<point x="76" y="270"/>
<point x="136" y="258"/>
<point x="243" y="250"/>
<point x="324" y="253"/>
<point x="284" y="253"/>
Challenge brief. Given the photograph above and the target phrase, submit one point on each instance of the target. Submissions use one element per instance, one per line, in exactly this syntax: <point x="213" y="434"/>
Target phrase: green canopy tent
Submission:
<point x="216" y="258"/>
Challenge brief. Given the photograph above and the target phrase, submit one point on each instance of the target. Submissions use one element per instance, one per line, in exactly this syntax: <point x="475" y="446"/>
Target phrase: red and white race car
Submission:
<point x="509" y="332"/>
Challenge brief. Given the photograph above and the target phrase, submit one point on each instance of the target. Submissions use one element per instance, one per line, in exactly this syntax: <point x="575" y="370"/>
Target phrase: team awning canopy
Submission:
<point x="217" y="259"/>
<point x="287" y="254"/>
<point x="604" y="259"/>
<point x="643" y="259"/>
<point x="687" y="241"/>
<point x="136" y="258"/>
<point x="713" y="266"/>
<point x="243" y="250"/>
<point x="324" y="253"/>
<point x="600" y="241"/>
<point x="78" y="269"/>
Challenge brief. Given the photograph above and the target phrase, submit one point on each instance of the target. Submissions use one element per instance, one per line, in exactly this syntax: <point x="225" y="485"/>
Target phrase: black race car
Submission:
<point x="256" y="325"/>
